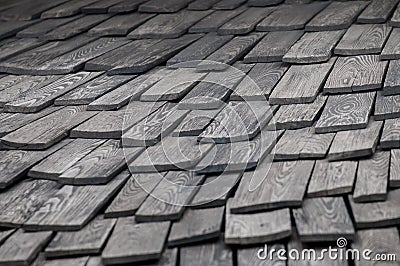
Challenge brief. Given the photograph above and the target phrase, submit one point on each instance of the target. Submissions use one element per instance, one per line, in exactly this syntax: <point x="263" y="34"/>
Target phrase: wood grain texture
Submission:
<point x="301" y="83"/>
<point x="196" y="226"/>
<point x="392" y="81"/>
<point x="125" y="6"/>
<point x="48" y="130"/>
<point x="99" y="7"/>
<point x="67" y="9"/>
<point x="160" y="6"/>
<point x="228" y="4"/>
<point x="168" y="25"/>
<point x="130" y="241"/>
<point x="42" y="97"/>
<point x="26" y="11"/>
<point x="79" y="261"/>
<point x="194" y="123"/>
<point x="12" y="47"/>
<point x="390" y="137"/>
<point x="323" y="219"/>
<point x="22" y="247"/>
<point x="394" y="179"/>
<point x="336" y="16"/>
<point x="133" y="194"/>
<point x="302" y="144"/>
<point x="170" y="197"/>
<point x="290" y="17"/>
<point x="313" y="47"/>
<point x="332" y="178"/>
<point x="363" y="39"/>
<point x="201" y="4"/>
<point x="377" y="11"/>
<point x="395" y="20"/>
<point x="391" y="50"/>
<point x="217" y="254"/>
<point x="372" y="178"/>
<point x="43" y="27"/>
<point x="387" y="107"/>
<point x="72" y="207"/>
<point x="89" y="240"/>
<point x="101" y="165"/>
<point x="346" y="112"/>
<point x="248" y="256"/>
<point x="245" y="229"/>
<point x="213" y="21"/>
<point x="377" y="214"/>
<point x="284" y="185"/>
<point x="355" y="143"/>
<point x="57" y="163"/>
<point x="356" y="73"/>
<point x="273" y="46"/>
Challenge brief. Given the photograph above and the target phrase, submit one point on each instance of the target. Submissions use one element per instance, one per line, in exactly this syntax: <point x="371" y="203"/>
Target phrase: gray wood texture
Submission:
<point x="13" y="47"/>
<point x="125" y="6"/>
<point x="391" y="50"/>
<point x="276" y="189"/>
<point x="363" y="39"/>
<point x="194" y="123"/>
<point x="72" y="207"/>
<point x="48" y="130"/>
<point x="201" y="4"/>
<point x="377" y="11"/>
<point x="301" y="83"/>
<point x="313" y="47"/>
<point x="213" y="21"/>
<point x="196" y="226"/>
<point x="387" y="107"/>
<point x="377" y="214"/>
<point x="263" y="2"/>
<point x="245" y="229"/>
<point x="10" y="28"/>
<point x="170" y="197"/>
<point x="228" y="4"/>
<point x="43" y="27"/>
<point x="27" y="10"/>
<point x="394" y="179"/>
<point x="336" y="16"/>
<point x="248" y="256"/>
<point x="395" y="20"/>
<point x="218" y="254"/>
<point x="392" y="81"/>
<point x="390" y="137"/>
<point x="372" y="178"/>
<point x="355" y="143"/>
<point x="130" y="241"/>
<point x="99" y="7"/>
<point x="160" y="6"/>
<point x="346" y="112"/>
<point x="79" y="261"/>
<point x="323" y="219"/>
<point x="332" y="178"/>
<point x="356" y="73"/>
<point x="67" y="9"/>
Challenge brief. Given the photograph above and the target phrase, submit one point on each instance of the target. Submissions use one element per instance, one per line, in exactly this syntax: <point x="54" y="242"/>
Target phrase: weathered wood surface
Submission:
<point x="160" y="6"/>
<point x="391" y="50"/>
<point x="247" y="256"/>
<point x="212" y="22"/>
<point x="27" y="10"/>
<point x="387" y="107"/>
<point x="228" y="4"/>
<point x="363" y="39"/>
<point x="313" y="47"/>
<point x="99" y="7"/>
<point x="131" y="242"/>
<point x="72" y="207"/>
<point x="48" y="130"/>
<point x="13" y="47"/>
<point x="201" y="4"/>
<point x="276" y="189"/>
<point x="323" y="219"/>
<point x="392" y="80"/>
<point x="395" y="20"/>
<point x="356" y="73"/>
<point x="394" y="179"/>
<point x="263" y="2"/>
<point x="301" y="83"/>
<point x="377" y="11"/>
<point x="78" y="261"/>
<point x="43" y="27"/>
<point x="217" y="254"/>
<point x="390" y="137"/>
<point x="346" y="112"/>
<point x="332" y="178"/>
<point x="125" y="6"/>
<point x="194" y="123"/>
<point x="355" y="143"/>
<point x="372" y="178"/>
<point x="67" y="9"/>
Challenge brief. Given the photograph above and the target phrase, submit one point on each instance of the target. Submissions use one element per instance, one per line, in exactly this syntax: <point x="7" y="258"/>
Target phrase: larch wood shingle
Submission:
<point x="377" y="11"/>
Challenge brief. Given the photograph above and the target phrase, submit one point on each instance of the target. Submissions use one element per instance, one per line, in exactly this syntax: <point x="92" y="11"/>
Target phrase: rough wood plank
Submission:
<point x="356" y="73"/>
<point x="387" y="107"/>
<point x="313" y="47"/>
<point x="43" y="27"/>
<point x="346" y="112"/>
<point x="290" y="17"/>
<point x="230" y="52"/>
<point x="212" y="22"/>
<point x="79" y="261"/>
<point x="363" y="39"/>
<point x="217" y="254"/>
<point x="40" y="98"/>
<point x="323" y="219"/>
<point x="130" y="242"/>
<point x="296" y="116"/>
<point x="99" y="7"/>
<point x="201" y="4"/>
<point x="228" y="4"/>
<point x="302" y="144"/>
<point x="133" y="194"/>
<point x="67" y="9"/>
<point x="168" y="25"/>
<point x="101" y="165"/>
<point x="196" y="226"/>
<point x="391" y="50"/>
<point x="377" y="11"/>
<point x="120" y="25"/>
<point x="390" y="134"/>
<point x="238" y="121"/>
<point x="377" y="214"/>
<point x="259" y="82"/>
<point x="336" y="16"/>
<point x="301" y="84"/>
<point x="273" y="47"/>
<point x="28" y="10"/>
<point x="395" y="20"/>
<point x="392" y="81"/>
<point x="48" y="130"/>
<point x="394" y="179"/>
<point x="199" y="50"/>
<point x="245" y="22"/>
<point x="22" y="247"/>
<point x="160" y="6"/>
<point x="276" y="189"/>
<point x="372" y="178"/>
<point x="194" y="123"/>
<point x="355" y="143"/>
<point x="58" y="162"/>
<point x="72" y="207"/>
<point x="332" y="178"/>
<point x="89" y="240"/>
<point x="245" y="229"/>
<point x="125" y="6"/>
<point x="170" y="197"/>
<point x="90" y="91"/>
<point x="21" y="201"/>
<point x="13" y="47"/>
<point x="10" y="28"/>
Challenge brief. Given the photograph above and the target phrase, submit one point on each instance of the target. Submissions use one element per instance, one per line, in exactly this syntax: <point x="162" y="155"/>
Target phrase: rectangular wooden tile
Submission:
<point x="28" y="11"/>
<point x="387" y="107"/>
<point x="395" y="20"/>
<point x="43" y="27"/>
<point x="221" y="254"/>
<point x="377" y="11"/>
<point x="99" y="7"/>
<point x="160" y="6"/>
<point x="391" y="49"/>
<point x="390" y="137"/>
<point x="12" y="47"/>
<point x="213" y="21"/>
<point x="67" y="9"/>
<point x="394" y="179"/>
<point x="228" y="4"/>
<point x="125" y="6"/>
<point x="194" y="123"/>
<point x="201" y="4"/>
<point x="392" y="81"/>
